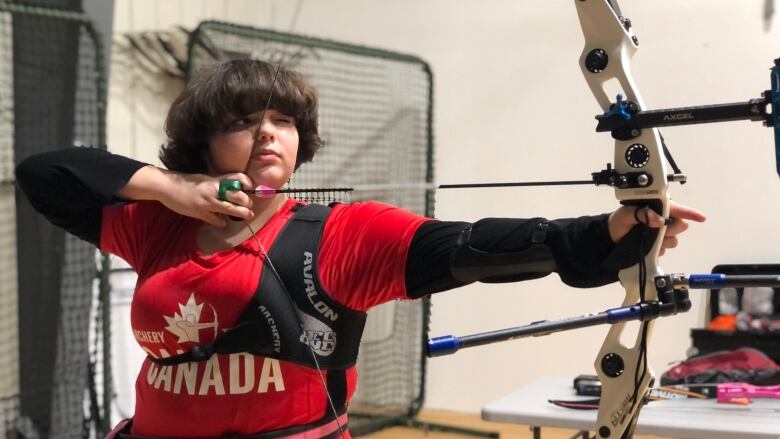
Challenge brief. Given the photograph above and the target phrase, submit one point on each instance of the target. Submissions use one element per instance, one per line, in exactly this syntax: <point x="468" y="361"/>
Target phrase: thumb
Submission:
<point x="648" y="217"/>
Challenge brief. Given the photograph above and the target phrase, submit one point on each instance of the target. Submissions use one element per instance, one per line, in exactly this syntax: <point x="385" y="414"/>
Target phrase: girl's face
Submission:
<point x="262" y="146"/>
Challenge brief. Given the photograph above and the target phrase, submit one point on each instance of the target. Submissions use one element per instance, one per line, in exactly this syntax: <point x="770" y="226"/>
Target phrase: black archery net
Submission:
<point x="9" y="365"/>
<point x="375" y="119"/>
<point x="49" y="99"/>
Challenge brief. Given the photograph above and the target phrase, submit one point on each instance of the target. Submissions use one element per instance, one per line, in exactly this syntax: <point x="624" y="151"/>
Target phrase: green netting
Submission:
<point x="51" y="315"/>
<point x="376" y="121"/>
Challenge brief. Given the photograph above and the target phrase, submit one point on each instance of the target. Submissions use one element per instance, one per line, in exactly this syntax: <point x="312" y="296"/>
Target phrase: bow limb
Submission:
<point x="625" y="376"/>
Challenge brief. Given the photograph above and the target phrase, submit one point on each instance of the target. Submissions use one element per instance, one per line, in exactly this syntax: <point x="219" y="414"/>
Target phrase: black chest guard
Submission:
<point x="281" y="317"/>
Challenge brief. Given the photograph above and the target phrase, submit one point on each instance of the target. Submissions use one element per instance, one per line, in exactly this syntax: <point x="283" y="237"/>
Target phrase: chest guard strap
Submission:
<point x="278" y="325"/>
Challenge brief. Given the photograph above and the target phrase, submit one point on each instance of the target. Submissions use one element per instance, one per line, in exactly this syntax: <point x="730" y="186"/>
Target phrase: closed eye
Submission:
<point x="244" y="121"/>
<point x="240" y="124"/>
<point x="284" y="120"/>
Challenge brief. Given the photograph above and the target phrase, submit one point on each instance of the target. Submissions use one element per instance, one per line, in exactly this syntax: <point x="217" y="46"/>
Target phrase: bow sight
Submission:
<point x="625" y="119"/>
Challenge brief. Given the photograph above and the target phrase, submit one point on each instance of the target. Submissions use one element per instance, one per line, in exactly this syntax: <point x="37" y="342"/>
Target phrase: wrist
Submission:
<point x="148" y="183"/>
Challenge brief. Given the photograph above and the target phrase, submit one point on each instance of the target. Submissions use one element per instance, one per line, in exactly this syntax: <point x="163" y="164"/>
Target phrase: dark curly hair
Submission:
<point x="229" y="90"/>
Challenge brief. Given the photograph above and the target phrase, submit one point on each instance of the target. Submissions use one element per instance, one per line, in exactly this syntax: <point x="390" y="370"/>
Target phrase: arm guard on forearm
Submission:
<point x="509" y="250"/>
<point x="502" y="250"/>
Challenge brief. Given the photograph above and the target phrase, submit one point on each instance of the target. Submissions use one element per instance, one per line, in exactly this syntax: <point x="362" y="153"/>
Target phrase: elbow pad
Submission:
<point x="502" y="250"/>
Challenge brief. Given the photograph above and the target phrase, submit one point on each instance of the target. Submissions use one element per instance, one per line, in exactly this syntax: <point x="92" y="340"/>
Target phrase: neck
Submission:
<point x="265" y="208"/>
<point x="211" y="239"/>
<point x="261" y="206"/>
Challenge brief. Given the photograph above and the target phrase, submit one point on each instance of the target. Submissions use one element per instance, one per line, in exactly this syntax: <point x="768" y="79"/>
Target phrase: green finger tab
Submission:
<point x="227" y="185"/>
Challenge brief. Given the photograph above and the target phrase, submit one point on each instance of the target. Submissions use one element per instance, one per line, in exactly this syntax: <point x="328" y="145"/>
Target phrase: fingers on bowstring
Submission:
<point x="237" y="204"/>
<point x="214" y="219"/>
<point x="236" y="211"/>
<point x="239" y="198"/>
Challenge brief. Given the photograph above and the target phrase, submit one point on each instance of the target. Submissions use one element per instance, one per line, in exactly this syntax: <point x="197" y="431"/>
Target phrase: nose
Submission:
<point x="264" y="130"/>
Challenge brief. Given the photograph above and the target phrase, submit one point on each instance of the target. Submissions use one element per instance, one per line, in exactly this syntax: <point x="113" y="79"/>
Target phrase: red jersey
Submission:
<point x="184" y="298"/>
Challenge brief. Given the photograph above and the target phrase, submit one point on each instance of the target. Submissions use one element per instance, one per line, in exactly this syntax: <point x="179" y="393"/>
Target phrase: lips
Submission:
<point x="265" y="154"/>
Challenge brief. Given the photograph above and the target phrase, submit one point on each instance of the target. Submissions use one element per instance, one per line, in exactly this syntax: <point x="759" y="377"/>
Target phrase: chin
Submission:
<point x="271" y="176"/>
<point x="274" y="183"/>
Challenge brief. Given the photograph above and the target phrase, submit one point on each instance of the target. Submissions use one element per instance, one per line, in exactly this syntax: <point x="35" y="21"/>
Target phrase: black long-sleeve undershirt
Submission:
<point x="71" y="186"/>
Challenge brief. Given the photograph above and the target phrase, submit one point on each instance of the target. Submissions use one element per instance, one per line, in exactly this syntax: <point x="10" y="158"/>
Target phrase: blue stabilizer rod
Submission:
<point x="717" y="280"/>
<point x="672" y="301"/>
<point x="444" y="345"/>
<point x="449" y="344"/>
<point x="706" y="280"/>
<point x="624" y="314"/>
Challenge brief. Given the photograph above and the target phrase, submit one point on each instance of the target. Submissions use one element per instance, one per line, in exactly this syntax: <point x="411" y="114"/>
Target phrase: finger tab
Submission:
<point x="226" y="185"/>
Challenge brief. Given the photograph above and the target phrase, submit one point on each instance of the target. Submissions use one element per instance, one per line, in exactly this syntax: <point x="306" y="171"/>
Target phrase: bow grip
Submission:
<point x="625" y="253"/>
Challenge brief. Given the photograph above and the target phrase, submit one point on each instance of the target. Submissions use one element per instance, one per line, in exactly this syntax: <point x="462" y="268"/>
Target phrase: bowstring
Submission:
<point x="642" y="358"/>
<point x="267" y="258"/>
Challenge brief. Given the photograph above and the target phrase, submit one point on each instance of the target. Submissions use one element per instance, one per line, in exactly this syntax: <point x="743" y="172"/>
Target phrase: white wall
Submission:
<point x="510" y="104"/>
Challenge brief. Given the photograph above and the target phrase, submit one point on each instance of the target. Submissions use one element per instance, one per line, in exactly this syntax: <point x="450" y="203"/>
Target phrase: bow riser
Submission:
<point x="609" y="46"/>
